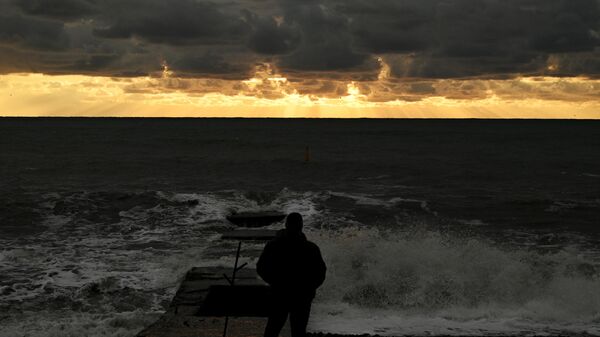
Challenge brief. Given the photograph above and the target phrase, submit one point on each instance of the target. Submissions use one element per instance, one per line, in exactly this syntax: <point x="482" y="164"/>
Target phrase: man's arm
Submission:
<point x="319" y="268"/>
<point x="265" y="264"/>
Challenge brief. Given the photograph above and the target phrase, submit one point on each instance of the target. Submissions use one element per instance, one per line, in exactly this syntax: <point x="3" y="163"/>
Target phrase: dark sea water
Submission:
<point x="428" y="227"/>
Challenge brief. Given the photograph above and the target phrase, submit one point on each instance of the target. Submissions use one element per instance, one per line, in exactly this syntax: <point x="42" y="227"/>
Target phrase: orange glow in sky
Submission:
<point x="269" y="94"/>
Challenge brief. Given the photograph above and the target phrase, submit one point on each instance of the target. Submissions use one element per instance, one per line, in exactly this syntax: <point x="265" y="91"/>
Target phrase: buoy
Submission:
<point x="307" y="154"/>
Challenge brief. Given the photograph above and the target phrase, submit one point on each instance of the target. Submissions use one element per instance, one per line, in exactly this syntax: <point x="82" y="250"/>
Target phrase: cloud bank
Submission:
<point x="434" y="39"/>
<point x="372" y="53"/>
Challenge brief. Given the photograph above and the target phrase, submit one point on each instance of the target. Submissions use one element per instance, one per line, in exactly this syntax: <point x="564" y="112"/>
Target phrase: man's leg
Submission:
<point x="276" y="322"/>
<point x="299" y="314"/>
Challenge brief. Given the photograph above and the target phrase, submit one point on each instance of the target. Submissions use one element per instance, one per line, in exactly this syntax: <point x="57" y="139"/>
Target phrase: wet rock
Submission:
<point x="192" y="203"/>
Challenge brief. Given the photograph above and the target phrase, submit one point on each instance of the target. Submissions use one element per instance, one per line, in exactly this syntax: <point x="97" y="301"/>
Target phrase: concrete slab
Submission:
<point x="182" y="318"/>
<point x="250" y="235"/>
<point x="255" y="219"/>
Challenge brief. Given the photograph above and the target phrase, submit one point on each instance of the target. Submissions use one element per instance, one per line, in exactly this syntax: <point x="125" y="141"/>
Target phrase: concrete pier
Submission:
<point x="206" y="299"/>
<point x="190" y="314"/>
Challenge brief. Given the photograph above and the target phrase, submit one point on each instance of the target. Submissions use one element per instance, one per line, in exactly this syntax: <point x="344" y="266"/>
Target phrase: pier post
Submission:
<point x="306" y="154"/>
<point x="232" y="281"/>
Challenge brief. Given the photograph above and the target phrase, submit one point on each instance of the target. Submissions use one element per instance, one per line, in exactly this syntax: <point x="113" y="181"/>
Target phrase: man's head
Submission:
<point x="293" y="222"/>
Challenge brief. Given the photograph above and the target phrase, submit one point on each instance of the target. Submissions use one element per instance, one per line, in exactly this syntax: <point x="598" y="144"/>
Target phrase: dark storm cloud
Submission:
<point x="193" y="64"/>
<point x="334" y="38"/>
<point x="381" y="26"/>
<point x="94" y="62"/>
<point x="473" y="38"/>
<point x="170" y="22"/>
<point x="571" y="28"/>
<point x="473" y="27"/>
<point x="271" y="37"/>
<point x="326" y="38"/>
<point x="582" y="63"/>
<point x="32" y="33"/>
<point x="58" y="9"/>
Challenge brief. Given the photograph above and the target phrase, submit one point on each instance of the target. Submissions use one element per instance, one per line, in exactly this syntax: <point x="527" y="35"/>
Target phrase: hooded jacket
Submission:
<point x="292" y="265"/>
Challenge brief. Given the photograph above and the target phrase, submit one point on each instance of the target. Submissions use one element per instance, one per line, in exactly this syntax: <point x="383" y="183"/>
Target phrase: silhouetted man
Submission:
<point x="294" y="268"/>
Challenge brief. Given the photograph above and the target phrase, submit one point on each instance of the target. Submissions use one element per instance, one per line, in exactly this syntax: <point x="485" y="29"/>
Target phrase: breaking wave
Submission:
<point x="108" y="263"/>
<point x="406" y="283"/>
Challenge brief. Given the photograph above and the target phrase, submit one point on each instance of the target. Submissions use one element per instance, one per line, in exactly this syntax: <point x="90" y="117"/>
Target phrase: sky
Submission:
<point x="301" y="58"/>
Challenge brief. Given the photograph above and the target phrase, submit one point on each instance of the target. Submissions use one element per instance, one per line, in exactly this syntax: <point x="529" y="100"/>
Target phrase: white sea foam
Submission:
<point x="346" y="319"/>
<point x="365" y="199"/>
<point x="216" y="206"/>
<point x="112" y="278"/>
<point x="472" y="222"/>
<point x="428" y="283"/>
<point x="71" y="324"/>
<point x="382" y="176"/>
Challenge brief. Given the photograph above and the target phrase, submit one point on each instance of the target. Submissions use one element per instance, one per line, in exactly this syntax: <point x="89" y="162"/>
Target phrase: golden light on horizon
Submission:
<point x="270" y="94"/>
<point x="166" y="72"/>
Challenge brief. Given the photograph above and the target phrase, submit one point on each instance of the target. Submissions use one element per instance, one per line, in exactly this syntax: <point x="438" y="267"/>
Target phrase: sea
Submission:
<point x="427" y="227"/>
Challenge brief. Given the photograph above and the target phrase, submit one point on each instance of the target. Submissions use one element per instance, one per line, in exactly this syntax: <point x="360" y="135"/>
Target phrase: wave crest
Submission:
<point x="431" y="272"/>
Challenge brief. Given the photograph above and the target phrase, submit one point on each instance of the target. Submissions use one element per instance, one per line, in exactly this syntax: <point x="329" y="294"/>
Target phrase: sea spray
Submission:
<point x="114" y="256"/>
<point x="429" y="274"/>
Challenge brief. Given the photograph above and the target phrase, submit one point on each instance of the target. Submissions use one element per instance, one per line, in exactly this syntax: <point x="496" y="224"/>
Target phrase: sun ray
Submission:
<point x="270" y="94"/>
